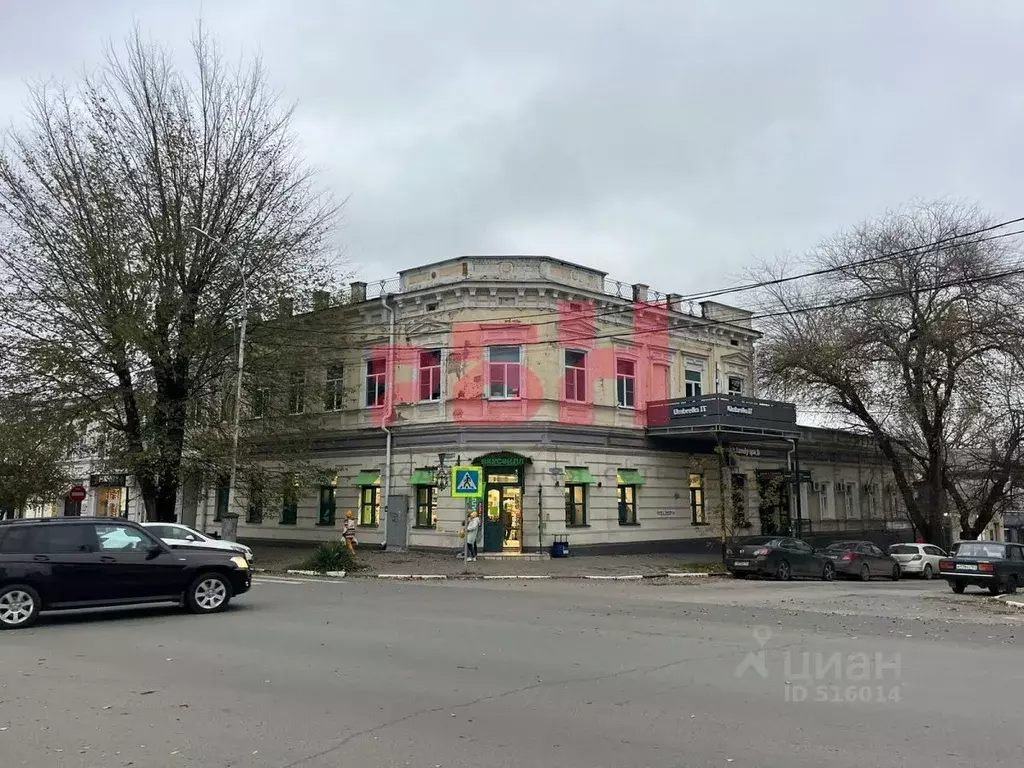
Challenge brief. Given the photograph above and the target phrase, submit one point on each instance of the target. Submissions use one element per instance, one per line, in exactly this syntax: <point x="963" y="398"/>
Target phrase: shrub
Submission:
<point x="331" y="556"/>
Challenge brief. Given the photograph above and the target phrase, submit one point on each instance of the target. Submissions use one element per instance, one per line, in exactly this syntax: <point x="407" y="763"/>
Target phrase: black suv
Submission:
<point x="62" y="563"/>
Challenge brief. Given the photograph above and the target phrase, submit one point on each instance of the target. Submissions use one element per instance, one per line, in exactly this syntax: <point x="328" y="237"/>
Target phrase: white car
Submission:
<point x="919" y="559"/>
<point x="175" y="534"/>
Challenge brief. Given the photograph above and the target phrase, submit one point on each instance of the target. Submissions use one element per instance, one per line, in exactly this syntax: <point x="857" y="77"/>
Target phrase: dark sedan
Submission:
<point x="992" y="565"/>
<point x="777" y="556"/>
<point x="862" y="560"/>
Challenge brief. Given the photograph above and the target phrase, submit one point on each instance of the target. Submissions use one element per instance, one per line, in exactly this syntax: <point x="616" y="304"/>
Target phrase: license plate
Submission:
<point x="966" y="567"/>
<point x="742" y="562"/>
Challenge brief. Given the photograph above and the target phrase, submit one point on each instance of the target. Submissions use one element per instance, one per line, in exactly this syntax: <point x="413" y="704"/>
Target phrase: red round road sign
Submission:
<point x="78" y="493"/>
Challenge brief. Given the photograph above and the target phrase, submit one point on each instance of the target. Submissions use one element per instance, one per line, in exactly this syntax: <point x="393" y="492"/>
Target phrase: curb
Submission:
<point x="501" y="577"/>
<point x="331" y="574"/>
<point x="1012" y="603"/>
<point x="405" y="576"/>
<point x="689" y="575"/>
<point x="532" y="578"/>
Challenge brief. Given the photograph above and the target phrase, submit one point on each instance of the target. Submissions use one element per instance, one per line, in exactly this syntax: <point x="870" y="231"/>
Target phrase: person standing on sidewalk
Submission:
<point x="348" y="531"/>
<point x="472" y="535"/>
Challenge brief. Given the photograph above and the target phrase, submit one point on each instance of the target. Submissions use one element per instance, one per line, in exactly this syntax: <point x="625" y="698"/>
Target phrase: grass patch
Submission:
<point x="701" y="568"/>
<point x="331" y="556"/>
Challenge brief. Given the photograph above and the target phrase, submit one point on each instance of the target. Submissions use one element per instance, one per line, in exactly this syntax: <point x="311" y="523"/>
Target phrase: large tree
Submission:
<point x="113" y="302"/>
<point x="911" y="327"/>
<point x="34" y="449"/>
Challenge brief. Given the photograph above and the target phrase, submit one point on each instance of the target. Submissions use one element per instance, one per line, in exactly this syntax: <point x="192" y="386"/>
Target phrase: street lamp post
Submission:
<point x="232" y="482"/>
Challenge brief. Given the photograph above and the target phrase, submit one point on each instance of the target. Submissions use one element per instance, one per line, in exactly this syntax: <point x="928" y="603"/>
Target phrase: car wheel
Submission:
<point x="895" y="573"/>
<point x="865" y="572"/>
<point x="209" y="593"/>
<point x="1011" y="585"/>
<point x="993" y="589"/>
<point x="928" y="573"/>
<point x="829" y="573"/>
<point x="958" y="587"/>
<point x="19" y="606"/>
<point x="784" y="572"/>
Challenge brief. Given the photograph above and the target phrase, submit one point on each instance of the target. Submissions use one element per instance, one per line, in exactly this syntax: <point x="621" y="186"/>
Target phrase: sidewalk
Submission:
<point x="436" y="564"/>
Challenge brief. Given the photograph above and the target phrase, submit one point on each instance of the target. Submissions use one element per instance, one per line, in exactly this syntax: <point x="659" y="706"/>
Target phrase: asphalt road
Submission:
<point x="577" y="675"/>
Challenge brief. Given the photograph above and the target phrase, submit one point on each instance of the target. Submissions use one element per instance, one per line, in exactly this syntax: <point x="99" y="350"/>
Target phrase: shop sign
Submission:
<point x="109" y="481"/>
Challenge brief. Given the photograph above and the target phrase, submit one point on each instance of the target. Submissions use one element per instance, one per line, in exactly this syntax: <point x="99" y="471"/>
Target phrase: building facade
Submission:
<point x="609" y="414"/>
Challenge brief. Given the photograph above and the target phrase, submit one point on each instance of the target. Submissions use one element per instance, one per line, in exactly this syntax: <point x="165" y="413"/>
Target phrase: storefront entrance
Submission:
<point x="503" y="501"/>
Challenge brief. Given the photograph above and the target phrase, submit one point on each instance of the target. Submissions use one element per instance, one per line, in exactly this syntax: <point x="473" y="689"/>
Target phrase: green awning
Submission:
<point x="630" y="477"/>
<point x="423" y="477"/>
<point x="367" y="477"/>
<point x="578" y="476"/>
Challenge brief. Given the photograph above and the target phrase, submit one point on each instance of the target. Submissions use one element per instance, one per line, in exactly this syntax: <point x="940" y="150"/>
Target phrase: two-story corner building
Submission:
<point x="607" y="413"/>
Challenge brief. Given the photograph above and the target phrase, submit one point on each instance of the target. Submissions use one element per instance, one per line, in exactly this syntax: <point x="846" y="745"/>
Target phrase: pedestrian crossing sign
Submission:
<point x="467" y="482"/>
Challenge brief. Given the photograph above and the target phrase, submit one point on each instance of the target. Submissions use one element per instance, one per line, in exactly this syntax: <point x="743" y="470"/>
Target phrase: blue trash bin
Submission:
<point x="560" y="546"/>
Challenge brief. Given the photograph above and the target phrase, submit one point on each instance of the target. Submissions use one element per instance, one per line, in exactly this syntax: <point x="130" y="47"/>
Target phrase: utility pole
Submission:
<point x="232" y="482"/>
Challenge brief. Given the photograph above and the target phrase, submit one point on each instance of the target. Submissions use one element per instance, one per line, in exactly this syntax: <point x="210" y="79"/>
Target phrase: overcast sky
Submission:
<point x="669" y="142"/>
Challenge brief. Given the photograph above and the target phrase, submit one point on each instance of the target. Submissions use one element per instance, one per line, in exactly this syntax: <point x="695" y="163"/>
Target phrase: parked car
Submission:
<point x="918" y="559"/>
<point x="862" y="559"/>
<point x="992" y="565"/>
<point x="777" y="556"/>
<point x="178" y="535"/>
<point x="62" y="563"/>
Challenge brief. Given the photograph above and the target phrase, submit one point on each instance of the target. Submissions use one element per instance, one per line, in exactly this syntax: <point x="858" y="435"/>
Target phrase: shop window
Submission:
<point x="694" y="379"/>
<point x="430" y="375"/>
<point x="254" y="511"/>
<point x="575" y="505"/>
<point x="289" y="502"/>
<point x="575" y="376"/>
<point x="328" y="505"/>
<point x="739" y="501"/>
<point x="426" y="506"/>
<point x="369" y="505"/>
<point x="625" y="383"/>
<point x="297" y="393"/>
<point x="223" y="497"/>
<point x="503" y="373"/>
<point x="376" y="382"/>
<point x="334" y="388"/>
<point x="698" y="513"/>
<point x="627" y="504"/>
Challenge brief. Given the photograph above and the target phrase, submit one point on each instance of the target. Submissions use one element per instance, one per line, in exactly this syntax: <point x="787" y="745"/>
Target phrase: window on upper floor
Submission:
<point x="260" y="402"/>
<point x="297" y="393"/>
<point x="575" y="376"/>
<point x="430" y="375"/>
<point x="504" y="372"/>
<point x="625" y="383"/>
<point x="334" y="389"/>
<point x="694" y="378"/>
<point x="376" y="382"/>
<point x="735" y="385"/>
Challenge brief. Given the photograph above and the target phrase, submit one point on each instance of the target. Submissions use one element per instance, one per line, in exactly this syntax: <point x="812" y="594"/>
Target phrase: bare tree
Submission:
<point x="112" y="302"/>
<point x="913" y="326"/>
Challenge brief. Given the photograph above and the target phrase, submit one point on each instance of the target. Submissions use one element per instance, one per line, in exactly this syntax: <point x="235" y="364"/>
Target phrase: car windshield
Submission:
<point x="903" y="549"/>
<point x="843" y="546"/>
<point x="979" y="549"/>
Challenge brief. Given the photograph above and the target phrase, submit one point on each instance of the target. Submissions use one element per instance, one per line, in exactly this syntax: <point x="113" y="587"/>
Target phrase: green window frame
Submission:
<point x="627" y="504"/>
<point x="426" y="506"/>
<point x="698" y="512"/>
<point x="369" y="506"/>
<point x="575" y="505"/>
<point x="289" y="502"/>
<point x="328" y="505"/>
<point x="254" y="509"/>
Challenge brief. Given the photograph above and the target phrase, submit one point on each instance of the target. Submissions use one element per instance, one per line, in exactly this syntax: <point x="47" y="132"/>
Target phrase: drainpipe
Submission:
<point x="389" y="402"/>
<point x="793" y="470"/>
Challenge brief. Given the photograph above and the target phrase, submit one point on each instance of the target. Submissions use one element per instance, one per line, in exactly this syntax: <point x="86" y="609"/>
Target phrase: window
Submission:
<point x="824" y="507"/>
<point x="120" y="538"/>
<point x="16" y="540"/>
<point x="72" y="508"/>
<point x="328" y="505"/>
<point x="627" y="504"/>
<point x="430" y="375"/>
<point x="376" y="382"/>
<point x="735" y="384"/>
<point x="223" y="497"/>
<point x="575" y="376"/>
<point x="289" y="501"/>
<point x="575" y="505"/>
<point x="698" y="515"/>
<point x="369" y="505"/>
<point x="694" y="379"/>
<point x="871" y="499"/>
<point x="503" y="373"/>
<point x="334" y="389"/>
<point x="254" y="512"/>
<point x="260" y="402"/>
<point x="625" y="383"/>
<point x="297" y="393"/>
<point x="64" y="539"/>
<point x="739" y="501"/>
<point x="426" y="506"/>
